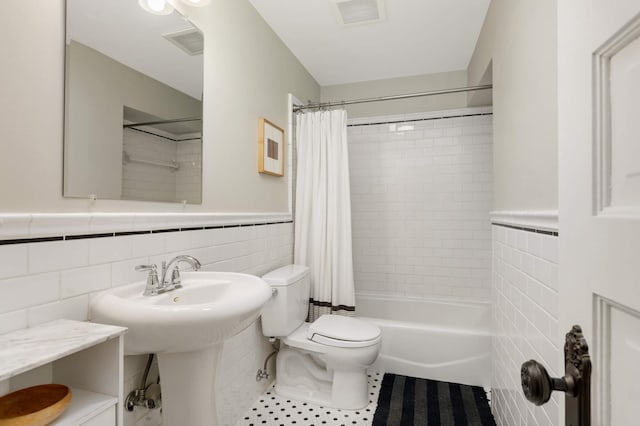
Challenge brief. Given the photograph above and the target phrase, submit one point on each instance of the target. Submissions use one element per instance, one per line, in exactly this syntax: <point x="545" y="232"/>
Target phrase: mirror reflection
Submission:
<point x="133" y="104"/>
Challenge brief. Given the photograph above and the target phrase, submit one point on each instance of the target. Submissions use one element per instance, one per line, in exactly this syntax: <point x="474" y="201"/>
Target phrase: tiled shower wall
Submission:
<point x="421" y="196"/>
<point x="43" y="281"/>
<point x="159" y="183"/>
<point x="525" y="321"/>
<point x="189" y="175"/>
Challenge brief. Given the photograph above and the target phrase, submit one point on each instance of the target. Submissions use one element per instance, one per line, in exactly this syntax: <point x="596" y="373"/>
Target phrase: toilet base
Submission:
<point x="307" y="377"/>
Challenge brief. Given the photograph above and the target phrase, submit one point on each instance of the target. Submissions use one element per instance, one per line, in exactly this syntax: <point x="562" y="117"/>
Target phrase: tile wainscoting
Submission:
<point x="52" y="264"/>
<point x="525" y="316"/>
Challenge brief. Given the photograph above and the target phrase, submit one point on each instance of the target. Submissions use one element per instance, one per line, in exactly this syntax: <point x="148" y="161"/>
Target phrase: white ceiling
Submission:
<point x="123" y="31"/>
<point x="417" y="37"/>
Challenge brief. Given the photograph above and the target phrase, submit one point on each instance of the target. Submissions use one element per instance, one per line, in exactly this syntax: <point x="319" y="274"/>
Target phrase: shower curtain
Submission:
<point x="323" y="211"/>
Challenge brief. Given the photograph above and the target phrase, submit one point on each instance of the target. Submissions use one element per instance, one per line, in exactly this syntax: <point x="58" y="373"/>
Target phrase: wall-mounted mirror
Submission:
<point x="133" y="103"/>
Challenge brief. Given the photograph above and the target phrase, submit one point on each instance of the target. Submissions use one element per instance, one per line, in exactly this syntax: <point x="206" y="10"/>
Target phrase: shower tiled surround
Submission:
<point x="525" y="320"/>
<point x="159" y="183"/>
<point x="421" y="196"/>
<point x="44" y="280"/>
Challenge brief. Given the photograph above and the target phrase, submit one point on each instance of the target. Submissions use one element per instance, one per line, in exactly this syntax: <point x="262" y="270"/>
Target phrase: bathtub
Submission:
<point x="433" y="339"/>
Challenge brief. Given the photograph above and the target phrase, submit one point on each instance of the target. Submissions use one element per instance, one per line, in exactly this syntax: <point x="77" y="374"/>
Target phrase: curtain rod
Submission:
<point x="297" y="108"/>
<point x="151" y="123"/>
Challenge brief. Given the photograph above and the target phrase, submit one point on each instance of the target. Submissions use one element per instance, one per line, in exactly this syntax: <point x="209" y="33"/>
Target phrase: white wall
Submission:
<point x="247" y="75"/>
<point x="397" y="86"/>
<point x="517" y="50"/>
<point x="519" y="42"/>
<point x="420" y="199"/>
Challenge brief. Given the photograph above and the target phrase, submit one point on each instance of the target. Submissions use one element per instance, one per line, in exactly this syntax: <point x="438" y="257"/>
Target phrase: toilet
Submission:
<point x="324" y="362"/>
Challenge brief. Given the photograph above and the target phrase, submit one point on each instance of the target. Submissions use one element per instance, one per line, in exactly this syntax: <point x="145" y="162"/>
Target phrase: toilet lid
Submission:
<point x="338" y="330"/>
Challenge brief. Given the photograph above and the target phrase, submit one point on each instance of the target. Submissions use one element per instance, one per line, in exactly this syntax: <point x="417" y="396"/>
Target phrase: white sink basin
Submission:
<point x="209" y="308"/>
<point x="186" y="328"/>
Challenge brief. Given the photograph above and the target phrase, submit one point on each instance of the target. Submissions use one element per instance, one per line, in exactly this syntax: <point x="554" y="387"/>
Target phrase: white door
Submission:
<point x="599" y="140"/>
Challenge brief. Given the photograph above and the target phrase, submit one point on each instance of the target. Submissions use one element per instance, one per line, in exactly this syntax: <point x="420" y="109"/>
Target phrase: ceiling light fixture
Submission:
<point x="196" y="3"/>
<point x="157" y="7"/>
<point x="163" y="7"/>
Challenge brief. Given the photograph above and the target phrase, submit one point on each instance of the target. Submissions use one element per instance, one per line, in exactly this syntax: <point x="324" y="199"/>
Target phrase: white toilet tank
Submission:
<point x="288" y="307"/>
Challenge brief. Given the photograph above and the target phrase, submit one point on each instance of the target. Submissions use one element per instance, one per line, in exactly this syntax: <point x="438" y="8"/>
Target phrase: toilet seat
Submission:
<point x="343" y="332"/>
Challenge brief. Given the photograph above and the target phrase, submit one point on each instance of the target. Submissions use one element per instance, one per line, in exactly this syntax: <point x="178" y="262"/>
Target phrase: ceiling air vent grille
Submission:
<point x="353" y="12"/>
<point x="190" y="41"/>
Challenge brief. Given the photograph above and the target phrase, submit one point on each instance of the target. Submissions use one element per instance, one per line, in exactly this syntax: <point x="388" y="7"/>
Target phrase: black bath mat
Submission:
<point x="409" y="401"/>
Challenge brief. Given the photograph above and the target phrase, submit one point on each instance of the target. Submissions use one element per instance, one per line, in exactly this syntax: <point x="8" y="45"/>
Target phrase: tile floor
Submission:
<point x="274" y="410"/>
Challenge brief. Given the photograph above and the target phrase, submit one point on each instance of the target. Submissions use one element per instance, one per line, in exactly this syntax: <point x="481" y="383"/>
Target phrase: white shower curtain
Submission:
<point x="323" y="211"/>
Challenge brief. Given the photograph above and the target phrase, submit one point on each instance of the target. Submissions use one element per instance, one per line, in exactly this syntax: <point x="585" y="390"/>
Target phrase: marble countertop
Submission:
<point x="33" y="347"/>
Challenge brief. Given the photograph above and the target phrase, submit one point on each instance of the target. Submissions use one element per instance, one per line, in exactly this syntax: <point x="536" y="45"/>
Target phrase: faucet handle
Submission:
<point x="175" y="278"/>
<point x="153" y="284"/>
<point x="151" y="267"/>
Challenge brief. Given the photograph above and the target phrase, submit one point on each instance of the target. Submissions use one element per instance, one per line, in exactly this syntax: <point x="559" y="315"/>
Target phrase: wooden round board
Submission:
<point x="34" y="406"/>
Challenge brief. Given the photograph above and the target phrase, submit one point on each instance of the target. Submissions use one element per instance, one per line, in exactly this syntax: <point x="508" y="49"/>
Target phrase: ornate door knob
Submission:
<point x="537" y="385"/>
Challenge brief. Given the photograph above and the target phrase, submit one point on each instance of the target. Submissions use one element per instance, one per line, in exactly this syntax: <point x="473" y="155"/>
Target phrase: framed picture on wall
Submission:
<point x="270" y="149"/>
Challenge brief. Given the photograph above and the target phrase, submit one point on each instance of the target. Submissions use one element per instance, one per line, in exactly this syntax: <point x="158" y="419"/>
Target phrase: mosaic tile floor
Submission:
<point x="274" y="410"/>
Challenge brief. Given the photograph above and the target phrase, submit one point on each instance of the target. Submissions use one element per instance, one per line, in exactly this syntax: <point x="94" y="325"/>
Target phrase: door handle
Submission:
<point x="537" y="385"/>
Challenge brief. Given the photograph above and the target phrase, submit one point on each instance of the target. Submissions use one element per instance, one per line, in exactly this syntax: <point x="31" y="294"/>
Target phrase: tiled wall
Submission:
<point x="525" y="320"/>
<point x="158" y="183"/>
<point x="421" y="196"/>
<point x="145" y="181"/>
<point x="42" y="281"/>
<point x="189" y="175"/>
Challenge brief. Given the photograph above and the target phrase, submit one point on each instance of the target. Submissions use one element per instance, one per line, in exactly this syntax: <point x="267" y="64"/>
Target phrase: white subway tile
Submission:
<point x="13" y="321"/>
<point x="13" y="260"/>
<point x="124" y="272"/>
<point x="74" y="282"/>
<point x="550" y="248"/>
<point x="526" y="325"/>
<point x="75" y="308"/>
<point x="58" y="255"/>
<point x="184" y="241"/>
<point x="535" y="244"/>
<point x="147" y="244"/>
<point x="109" y="249"/>
<point x="31" y="290"/>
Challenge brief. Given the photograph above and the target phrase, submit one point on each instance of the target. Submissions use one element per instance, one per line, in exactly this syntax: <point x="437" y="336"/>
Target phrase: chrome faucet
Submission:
<point x="157" y="286"/>
<point x="175" y="282"/>
<point x="153" y="285"/>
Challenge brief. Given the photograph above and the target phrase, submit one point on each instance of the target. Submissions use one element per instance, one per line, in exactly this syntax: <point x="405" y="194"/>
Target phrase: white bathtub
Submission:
<point x="433" y="339"/>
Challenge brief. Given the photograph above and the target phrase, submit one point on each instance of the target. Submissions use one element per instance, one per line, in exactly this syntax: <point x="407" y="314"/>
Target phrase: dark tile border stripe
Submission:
<point x="87" y="236"/>
<point x="421" y="119"/>
<point x="524" y="228"/>
<point x="128" y="233"/>
<point x="31" y="240"/>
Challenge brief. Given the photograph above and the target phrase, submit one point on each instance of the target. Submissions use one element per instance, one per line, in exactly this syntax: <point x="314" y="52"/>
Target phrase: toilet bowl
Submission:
<point x="325" y="361"/>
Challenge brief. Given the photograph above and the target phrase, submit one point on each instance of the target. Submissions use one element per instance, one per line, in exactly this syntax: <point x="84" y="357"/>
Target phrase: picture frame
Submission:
<point x="271" y="148"/>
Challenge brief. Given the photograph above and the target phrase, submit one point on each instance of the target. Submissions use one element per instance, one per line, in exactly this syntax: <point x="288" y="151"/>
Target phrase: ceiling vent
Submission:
<point x="190" y="41"/>
<point x="355" y="12"/>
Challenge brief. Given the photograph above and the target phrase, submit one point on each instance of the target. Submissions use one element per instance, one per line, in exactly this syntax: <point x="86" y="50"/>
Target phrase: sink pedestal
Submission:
<point x="187" y="380"/>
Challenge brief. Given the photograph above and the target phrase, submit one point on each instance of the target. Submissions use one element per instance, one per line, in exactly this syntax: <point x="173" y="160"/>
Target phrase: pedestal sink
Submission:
<point x="186" y="328"/>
